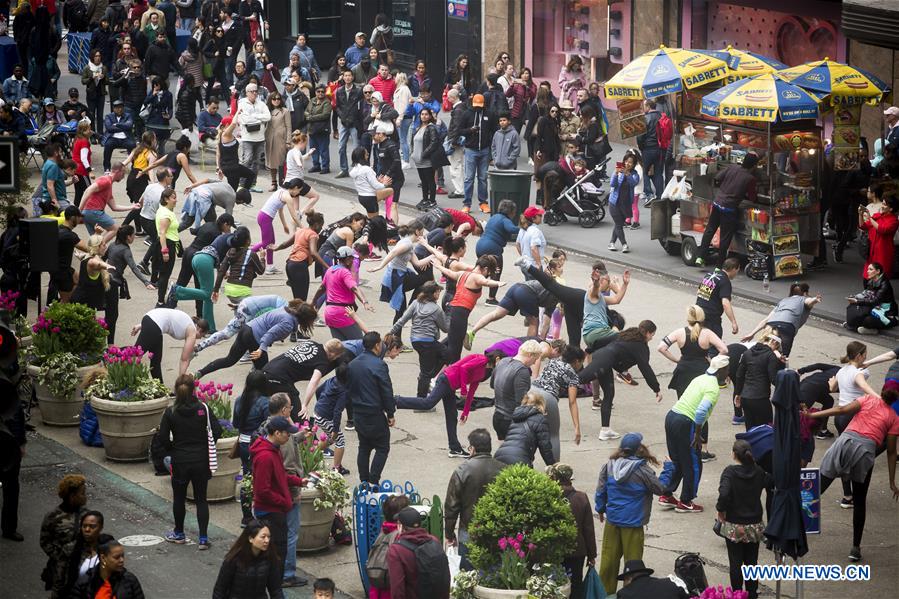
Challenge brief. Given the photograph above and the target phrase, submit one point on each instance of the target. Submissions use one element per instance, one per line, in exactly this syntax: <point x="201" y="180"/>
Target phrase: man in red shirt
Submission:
<point x="383" y="82"/>
<point x="97" y="197"/>
<point x="464" y="224"/>
<point x="271" y="493"/>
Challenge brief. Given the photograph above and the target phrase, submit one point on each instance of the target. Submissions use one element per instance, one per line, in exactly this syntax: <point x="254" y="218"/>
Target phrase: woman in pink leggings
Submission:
<point x="274" y="206"/>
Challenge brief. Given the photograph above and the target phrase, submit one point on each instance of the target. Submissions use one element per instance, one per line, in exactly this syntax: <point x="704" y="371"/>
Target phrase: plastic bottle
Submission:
<point x="766" y="284"/>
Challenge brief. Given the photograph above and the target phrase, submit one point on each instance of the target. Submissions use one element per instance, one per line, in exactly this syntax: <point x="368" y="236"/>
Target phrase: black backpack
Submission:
<point x="689" y="567"/>
<point x="433" y="216"/>
<point x="432" y="567"/>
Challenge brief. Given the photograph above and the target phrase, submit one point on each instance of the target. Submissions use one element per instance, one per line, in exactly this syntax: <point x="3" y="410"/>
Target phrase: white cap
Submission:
<point x="717" y="363"/>
<point x="344" y="251"/>
<point x="892" y="111"/>
<point x="377" y="96"/>
<point x="385" y="128"/>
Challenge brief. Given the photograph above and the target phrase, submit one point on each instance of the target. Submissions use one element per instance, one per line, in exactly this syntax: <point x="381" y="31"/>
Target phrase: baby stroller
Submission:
<point x="585" y="200"/>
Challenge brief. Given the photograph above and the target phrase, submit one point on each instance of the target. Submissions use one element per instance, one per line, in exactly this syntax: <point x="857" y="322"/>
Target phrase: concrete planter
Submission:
<point x="56" y="411"/>
<point x="128" y="426"/>
<point x="315" y="526"/>
<point x="488" y="593"/>
<point x="221" y="485"/>
<point x="25" y="341"/>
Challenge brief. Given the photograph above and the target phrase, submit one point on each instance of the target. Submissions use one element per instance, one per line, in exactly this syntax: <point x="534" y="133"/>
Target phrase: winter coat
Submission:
<point x="94" y="89"/>
<point x="298" y="101"/>
<point x="271" y="482"/>
<point x="402" y="568"/>
<point x="506" y="148"/>
<point x="650" y="139"/>
<point x="466" y="486"/>
<point x="318" y="115"/>
<point x="415" y="85"/>
<point x="186" y="106"/>
<point x="255" y="417"/>
<point x="59" y="532"/>
<point x="624" y="491"/>
<point x="385" y="86"/>
<point x="133" y="91"/>
<point x="349" y="106"/>
<point x="125" y="585"/>
<point x="583" y="521"/>
<point x="260" y="578"/>
<point x="477" y="126"/>
<point x="160" y="108"/>
<point x="160" y="60"/>
<point x="112" y="124"/>
<point x="528" y="433"/>
<point x="389" y="162"/>
<point x="192" y="65"/>
<point x="740" y="491"/>
<point x="183" y="431"/>
<point x="522" y="95"/>
<point x="547" y="141"/>
<point x="456" y="116"/>
<point x="369" y="385"/>
<point x="277" y="138"/>
<point x="757" y="372"/>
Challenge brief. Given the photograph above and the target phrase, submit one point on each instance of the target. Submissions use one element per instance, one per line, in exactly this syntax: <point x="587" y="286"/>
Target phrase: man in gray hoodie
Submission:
<point x="511" y="381"/>
<point x="506" y="146"/>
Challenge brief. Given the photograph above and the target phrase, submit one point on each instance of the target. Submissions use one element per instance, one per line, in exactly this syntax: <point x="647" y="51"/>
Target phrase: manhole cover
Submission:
<point x="141" y="540"/>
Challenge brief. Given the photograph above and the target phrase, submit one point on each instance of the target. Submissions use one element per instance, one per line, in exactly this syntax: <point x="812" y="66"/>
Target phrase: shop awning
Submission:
<point x="844" y="84"/>
<point x="873" y="22"/>
<point x="762" y="98"/>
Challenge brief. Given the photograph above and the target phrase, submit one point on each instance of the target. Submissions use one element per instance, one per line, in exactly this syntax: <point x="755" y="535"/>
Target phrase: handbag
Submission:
<point x="144" y="112"/>
<point x="716" y="528"/>
<point x="593" y="588"/>
<point x="601" y="148"/>
<point x="210" y="440"/>
<point x="234" y="452"/>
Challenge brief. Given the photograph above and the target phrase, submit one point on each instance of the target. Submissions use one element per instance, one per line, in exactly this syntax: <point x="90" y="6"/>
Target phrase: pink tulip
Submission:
<point x="502" y="544"/>
<point x="519" y="538"/>
<point x="531" y="546"/>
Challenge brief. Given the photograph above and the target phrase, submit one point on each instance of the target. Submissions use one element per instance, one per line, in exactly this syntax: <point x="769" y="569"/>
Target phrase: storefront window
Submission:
<point x="403" y="26"/>
<point x="322" y="18"/>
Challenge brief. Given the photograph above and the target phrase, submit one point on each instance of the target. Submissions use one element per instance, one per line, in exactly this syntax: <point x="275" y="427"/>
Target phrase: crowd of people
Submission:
<point x="277" y="119"/>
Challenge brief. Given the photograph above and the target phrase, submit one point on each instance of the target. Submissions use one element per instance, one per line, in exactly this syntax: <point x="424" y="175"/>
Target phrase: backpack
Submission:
<point x="376" y="566"/>
<point x="664" y="131"/>
<point x="158" y="454"/>
<point x="432" y="567"/>
<point x="689" y="568"/>
<point x="430" y="218"/>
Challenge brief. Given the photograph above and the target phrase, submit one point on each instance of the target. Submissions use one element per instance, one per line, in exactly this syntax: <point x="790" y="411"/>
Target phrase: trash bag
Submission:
<point x="593" y="588"/>
<point x="455" y="562"/>
<point x="89" y="428"/>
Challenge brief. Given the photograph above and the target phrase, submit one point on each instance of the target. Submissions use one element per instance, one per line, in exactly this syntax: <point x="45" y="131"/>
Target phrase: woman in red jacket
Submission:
<point x="880" y="228"/>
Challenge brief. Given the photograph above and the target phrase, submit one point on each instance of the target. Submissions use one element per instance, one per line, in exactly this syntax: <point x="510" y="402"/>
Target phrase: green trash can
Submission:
<point x="510" y="185"/>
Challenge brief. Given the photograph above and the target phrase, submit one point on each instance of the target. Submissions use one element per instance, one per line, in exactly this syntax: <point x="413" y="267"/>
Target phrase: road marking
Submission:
<point x="140" y="540"/>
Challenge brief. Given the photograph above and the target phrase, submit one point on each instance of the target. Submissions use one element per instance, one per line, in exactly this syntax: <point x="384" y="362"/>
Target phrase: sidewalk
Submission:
<point x="834" y="283"/>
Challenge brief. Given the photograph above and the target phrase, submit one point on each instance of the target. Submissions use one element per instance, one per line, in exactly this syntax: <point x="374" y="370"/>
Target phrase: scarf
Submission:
<point x="95" y="68"/>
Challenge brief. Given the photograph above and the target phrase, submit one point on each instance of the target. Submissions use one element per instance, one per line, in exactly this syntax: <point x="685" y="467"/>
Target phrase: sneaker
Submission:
<point x="491" y="301"/>
<point x="626" y="378"/>
<point x="342" y="175"/>
<point x="457" y="453"/>
<point x="319" y="322"/>
<point x="203" y="544"/>
<point x="271" y="269"/>
<point x="625" y="249"/>
<point x="406" y="166"/>
<point x="245" y="520"/>
<point x="342" y="471"/>
<point x="314" y="169"/>
<point x="245" y="359"/>
<point x="406" y="349"/>
<point x="846" y="503"/>
<point x="707" y="456"/>
<point x="456" y="196"/>
<point x="466" y="209"/>
<point x="147" y="242"/>
<point x="608" y="434"/>
<point x="293" y="581"/>
<point x="485" y="207"/>
<point x="328" y="452"/>
<point x="737" y="420"/>
<point x="255" y="189"/>
<point x="824" y="434"/>
<point x="699" y="262"/>
<point x="597" y="405"/>
<point x="326" y="171"/>
<point x="611" y="247"/>
<point x="441" y="191"/>
<point x="469" y="340"/>
<point x="170" y="299"/>
<point x="867" y="331"/>
<point x="518" y="261"/>
<point x="635" y="226"/>
<point x="647" y="200"/>
<point x="143" y="268"/>
<point x="175" y="537"/>
<point x="350" y="426"/>
<point x="687" y="508"/>
<point x="667" y="502"/>
<point x="855" y="554"/>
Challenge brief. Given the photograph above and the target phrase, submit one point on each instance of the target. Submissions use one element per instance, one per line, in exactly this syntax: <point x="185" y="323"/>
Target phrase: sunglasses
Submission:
<point x="367" y="93"/>
<point x="276" y="99"/>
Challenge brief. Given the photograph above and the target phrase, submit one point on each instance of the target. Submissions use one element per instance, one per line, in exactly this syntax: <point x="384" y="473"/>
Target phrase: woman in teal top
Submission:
<point x="597" y="331"/>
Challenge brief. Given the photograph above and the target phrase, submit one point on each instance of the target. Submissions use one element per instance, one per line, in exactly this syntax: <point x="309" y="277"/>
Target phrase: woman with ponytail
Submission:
<point x="93" y="276"/>
<point x="183" y="431"/>
<point x="740" y="513"/>
<point x="694" y="342"/>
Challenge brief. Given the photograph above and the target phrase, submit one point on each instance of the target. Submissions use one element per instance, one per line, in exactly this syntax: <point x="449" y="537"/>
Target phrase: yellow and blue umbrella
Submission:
<point x="664" y="71"/>
<point x="761" y="98"/>
<point x="742" y="64"/>
<point x="845" y="84"/>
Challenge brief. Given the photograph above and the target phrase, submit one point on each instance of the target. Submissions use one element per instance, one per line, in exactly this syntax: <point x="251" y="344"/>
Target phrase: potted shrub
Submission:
<point x="521" y="531"/>
<point x="71" y="329"/>
<point x="325" y="496"/>
<point x="218" y="397"/>
<point x="128" y="402"/>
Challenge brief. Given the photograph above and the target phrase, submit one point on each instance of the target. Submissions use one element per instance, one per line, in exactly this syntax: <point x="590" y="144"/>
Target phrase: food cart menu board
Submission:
<point x="630" y="118"/>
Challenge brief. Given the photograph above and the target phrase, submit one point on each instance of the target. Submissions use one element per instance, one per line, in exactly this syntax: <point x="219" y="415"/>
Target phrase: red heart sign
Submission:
<point x="799" y="41"/>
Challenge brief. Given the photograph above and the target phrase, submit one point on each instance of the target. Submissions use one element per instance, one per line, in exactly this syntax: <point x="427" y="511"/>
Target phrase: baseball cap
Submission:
<point x="49" y="102"/>
<point x="631" y="442"/>
<point x="117" y="103"/>
<point x="892" y="111"/>
<point x="717" y="363"/>
<point x="344" y="252"/>
<point x="477" y="100"/>
<point x="409" y="517"/>
<point x="281" y="424"/>
<point x="71" y="212"/>
<point x="73" y="91"/>
<point x="360" y="34"/>
<point x="532" y="211"/>
<point x="251" y="87"/>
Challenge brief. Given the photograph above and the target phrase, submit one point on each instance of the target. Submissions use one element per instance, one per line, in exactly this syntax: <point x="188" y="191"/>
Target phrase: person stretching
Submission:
<point x="275" y="204"/>
<point x="175" y="324"/>
<point x="469" y="285"/>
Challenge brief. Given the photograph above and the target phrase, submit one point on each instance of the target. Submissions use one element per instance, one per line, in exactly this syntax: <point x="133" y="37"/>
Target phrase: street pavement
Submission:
<point x="136" y="502"/>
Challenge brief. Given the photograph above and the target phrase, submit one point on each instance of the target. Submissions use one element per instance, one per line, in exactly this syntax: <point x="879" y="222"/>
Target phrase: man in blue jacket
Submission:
<point x="370" y="390"/>
<point x="117" y="126"/>
<point x="16" y="87"/>
<point x="355" y="52"/>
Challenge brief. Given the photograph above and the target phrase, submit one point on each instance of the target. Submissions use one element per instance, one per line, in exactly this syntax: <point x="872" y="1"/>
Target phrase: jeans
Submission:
<point x="114" y="143"/>
<point x="728" y="221"/>
<point x="293" y="533"/>
<point x="95" y="113"/>
<point x="405" y="125"/>
<point x="251" y="157"/>
<point x="476" y="162"/>
<point x="654" y="184"/>
<point x="345" y="134"/>
<point x="618" y="220"/>
<point x="374" y="436"/>
<point x="444" y="393"/>
<point x="679" y="433"/>
<point x="320" y="142"/>
<point x="187" y="23"/>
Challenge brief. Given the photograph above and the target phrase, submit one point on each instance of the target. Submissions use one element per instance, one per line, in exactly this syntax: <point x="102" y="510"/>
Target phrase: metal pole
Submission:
<point x="778" y="559"/>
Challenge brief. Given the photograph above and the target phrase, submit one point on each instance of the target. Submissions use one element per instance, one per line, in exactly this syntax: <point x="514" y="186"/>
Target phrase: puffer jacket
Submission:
<point x="625" y="489"/>
<point x="466" y="486"/>
<point x="740" y="491"/>
<point x="528" y="433"/>
<point x="133" y="91"/>
<point x="757" y="372"/>
<point x="192" y="65"/>
<point x="124" y="585"/>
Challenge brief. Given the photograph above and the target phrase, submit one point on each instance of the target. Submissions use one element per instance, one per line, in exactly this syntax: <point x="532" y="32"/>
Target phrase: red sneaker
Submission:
<point x="687" y="508"/>
<point x="441" y="191"/>
<point x="668" y="502"/>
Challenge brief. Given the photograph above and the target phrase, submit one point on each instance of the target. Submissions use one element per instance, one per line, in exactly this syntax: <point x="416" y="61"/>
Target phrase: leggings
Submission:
<point x="430" y="359"/>
<point x="787" y="333"/>
<point x="244" y="342"/>
<point x="150" y="339"/>
<point x="196" y="475"/>
<point x="186" y="273"/>
<point x="458" y="328"/>
<point x="618" y="220"/>
<point x="859" y="493"/>
<point x="428" y="185"/>
<point x="572" y="301"/>
<point x="204" y="273"/>
<point x="298" y="278"/>
<point x="165" y="270"/>
<point x="635" y="210"/>
<point x="267" y="232"/>
<point x="742" y="554"/>
<point x="111" y="315"/>
<point x="756" y="411"/>
<point x="444" y="393"/>
<point x="840" y="423"/>
<point x="236" y="173"/>
<point x="354" y="331"/>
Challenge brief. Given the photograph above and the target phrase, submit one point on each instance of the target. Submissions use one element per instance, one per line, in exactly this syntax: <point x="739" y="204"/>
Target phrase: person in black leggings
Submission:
<point x="304" y="244"/>
<point x="183" y="430"/>
<point x="149" y="338"/>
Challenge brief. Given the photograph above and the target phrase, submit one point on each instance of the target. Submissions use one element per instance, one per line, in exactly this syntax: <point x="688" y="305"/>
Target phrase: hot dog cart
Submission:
<point x="783" y="223"/>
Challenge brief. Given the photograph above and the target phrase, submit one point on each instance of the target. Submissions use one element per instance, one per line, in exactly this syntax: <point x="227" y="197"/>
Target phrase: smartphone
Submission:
<point x="619" y="165"/>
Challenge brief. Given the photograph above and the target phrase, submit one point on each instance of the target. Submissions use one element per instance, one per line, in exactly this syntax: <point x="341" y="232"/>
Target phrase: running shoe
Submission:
<point x="667" y="502"/>
<point x="518" y="261"/>
<point x="687" y="508"/>
<point x="328" y="452"/>
<point x="824" y="434"/>
<point x="699" y="262"/>
<point x="441" y="191"/>
<point x="485" y="207"/>
<point x="466" y="209"/>
<point x="457" y="453"/>
<point x="255" y="189"/>
<point x="737" y="420"/>
<point x="245" y="359"/>
<point x="293" y="581"/>
<point x="203" y="544"/>
<point x="491" y="301"/>
<point x="469" y="340"/>
<point x="170" y="300"/>
<point x="597" y="405"/>
<point x="611" y="247"/>
<point x="847" y="503"/>
<point x="635" y="225"/>
<point x="342" y="471"/>
<point x="271" y="269"/>
<point x="625" y="249"/>
<point x="175" y="537"/>
<point x="855" y="554"/>
<point x="143" y="268"/>
<point x="626" y="378"/>
<point x="867" y="331"/>
<point x="707" y="456"/>
<point x="608" y="434"/>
